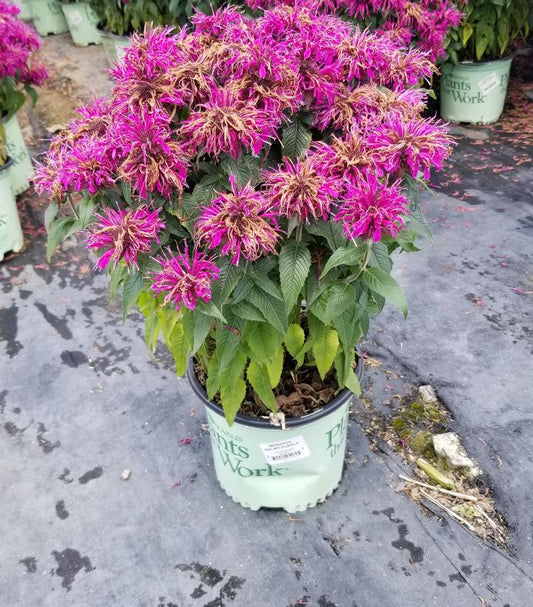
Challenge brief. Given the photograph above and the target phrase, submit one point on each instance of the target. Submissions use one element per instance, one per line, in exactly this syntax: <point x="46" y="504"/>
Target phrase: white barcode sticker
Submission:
<point x="286" y="450"/>
<point x="489" y="83"/>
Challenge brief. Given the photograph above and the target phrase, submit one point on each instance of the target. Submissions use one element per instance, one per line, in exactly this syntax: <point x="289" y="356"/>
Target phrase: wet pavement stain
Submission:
<point x="91" y="475"/>
<point x="388" y="512"/>
<point x="59" y="324"/>
<point x="73" y="358"/>
<point x="61" y="511"/>
<point x="211" y="577"/>
<point x="46" y="445"/>
<point x="324" y="602"/>
<point x="30" y="562"/>
<point x="24" y="294"/>
<point x="12" y="429"/>
<point x="416" y="552"/>
<point x="162" y="603"/>
<point x="9" y="330"/>
<point x="70" y="563"/>
<point x="64" y="476"/>
<point x="208" y="575"/>
<point x="3" y="395"/>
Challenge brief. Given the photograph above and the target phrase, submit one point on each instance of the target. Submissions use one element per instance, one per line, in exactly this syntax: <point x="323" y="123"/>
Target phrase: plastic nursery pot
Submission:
<point x="81" y="22"/>
<point x="11" y="238"/>
<point x="25" y="11"/>
<point x="48" y="17"/>
<point x="474" y="92"/>
<point x="22" y="167"/>
<point x="260" y="465"/>
<point x="113" y="46"/>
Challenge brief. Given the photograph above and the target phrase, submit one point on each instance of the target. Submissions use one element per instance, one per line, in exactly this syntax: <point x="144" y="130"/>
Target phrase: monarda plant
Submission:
<point x="20" y="69"/>
<point x="246" y="186"/>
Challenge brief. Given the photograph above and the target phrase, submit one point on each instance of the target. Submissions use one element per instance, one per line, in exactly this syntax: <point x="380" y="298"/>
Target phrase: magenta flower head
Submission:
<point x="372" y="209"/>
<point x="227" y="124"/>
<point x="301" y="189"/>
<point x="124" y="234"/>
<point x="411" y="145"/>
<point x="154" y="161"/>
<point x="182" y="280"/>
<point x="242" y="222"/>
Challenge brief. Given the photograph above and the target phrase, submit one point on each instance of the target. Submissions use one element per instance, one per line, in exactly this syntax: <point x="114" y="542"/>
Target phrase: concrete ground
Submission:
<point x="81" y="401"/>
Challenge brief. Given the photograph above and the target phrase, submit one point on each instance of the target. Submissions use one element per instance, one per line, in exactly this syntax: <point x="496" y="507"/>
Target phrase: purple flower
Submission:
<point x="301" y="190"/>
<point x="154" y="161"/>
<point x="124" y="234"/>
<point x="372" y="209"/>
<point x="227" y="124"/>
<point x="241" y="221"/>
<point x="184" y="281"/>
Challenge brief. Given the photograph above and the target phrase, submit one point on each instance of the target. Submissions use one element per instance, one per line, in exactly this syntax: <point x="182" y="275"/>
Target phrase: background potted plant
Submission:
<point x="81" y="21"/>
<point x="246" y="186"/>
<point x="11" y="237"/>
<point x="20" y="71"/>
<point x="25" y="11"/>
<point x="48" y="18"/>
<point x="474" y="79"/>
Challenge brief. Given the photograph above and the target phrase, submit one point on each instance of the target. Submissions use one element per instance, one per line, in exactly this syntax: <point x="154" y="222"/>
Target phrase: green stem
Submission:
<point x="71" y="204"/>
<point x="364" y="263"/>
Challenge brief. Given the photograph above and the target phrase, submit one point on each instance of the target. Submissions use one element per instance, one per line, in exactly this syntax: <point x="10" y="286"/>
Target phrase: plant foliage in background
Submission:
<point x="489" y="30"/>
<point x="124" y="17"/>
<point x="20" y="69"/>
<point x="246" y="186"/>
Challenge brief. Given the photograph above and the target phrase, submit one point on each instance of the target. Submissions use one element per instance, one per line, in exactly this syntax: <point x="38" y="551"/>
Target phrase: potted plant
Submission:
<point x="81" y="21"/>
<point x="118" y="19"/>
<point x="245" y="186"/>
<point x="20" y="71"/>
<point x="474" y="79"/>
<point x="11" y="238"/>
<point x="48" y="18"/>
<point x="25" y="11"/>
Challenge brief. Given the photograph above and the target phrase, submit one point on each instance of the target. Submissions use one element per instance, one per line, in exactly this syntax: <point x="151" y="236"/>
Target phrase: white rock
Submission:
<point x="448" y="446"/>
<point x="427" y="394"/>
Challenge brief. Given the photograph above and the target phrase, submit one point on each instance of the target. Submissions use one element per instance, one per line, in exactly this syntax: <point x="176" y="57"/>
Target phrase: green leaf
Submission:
<point x="228" y="278"/>
<point x="262" y="342"/>
<point x="59" y="230"/>
<point x="275" y="368"/>
<point x="379" y="256"/>
<point x="325" y="347"/>
<point x="341" y="296"/>
<point x="329" y="230"/>
<point x="85" y="210"/>
<point x="294" y="264"/>
<point x="50" y="214"/>
<point x="209" y="309"/>
<point x="258" y="377"/>
<point x="272" y="309"/>
<point x="151" y="329"/>
<point x="179" y="347"/>
<point x="295" y="140"/>
<point x="294" y="339"/>
<point x="381" y="282"/>
<point x="245" y="169"/>
<point x="247" y="311"/>
<point x="133" y="285"/>
<point x="263" y="282"/>
<point x="352" y="383"/>
<point x="202" y="326"/>
<point x="347" y="256"/>
<point x="232" y="385"/>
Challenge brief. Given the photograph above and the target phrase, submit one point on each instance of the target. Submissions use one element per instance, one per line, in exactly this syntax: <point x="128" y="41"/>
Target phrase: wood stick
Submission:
<point x="448" y="511"/>
<point x="484" y="514"/>
<point x="463" y="496"/>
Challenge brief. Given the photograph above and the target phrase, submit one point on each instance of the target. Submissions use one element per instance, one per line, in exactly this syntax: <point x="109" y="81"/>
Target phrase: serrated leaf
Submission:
<point x="329" y="230"/>
<point x="258" y="377"/>
<point x="209" y="309"/>
<point x="381" y="282"/>
<point x="59" y="230"/>
<point x="85" y="210"/>
<point x="231" y="396"/>
<point x="262" y="341"/>
<point x="133" y="285"/>
<point x="379" y="256"/>
<point x="272" y="309"/>
<point x="247" y="311"/>
<point x="202" y="326"/>
<point x="263" y="282"/>
<point x="294" y="339"/>
<point x="340" y="297"/>
<point x="50" y="214"/>
<point x="151" y="330"/>
<point x="179" y="347"/>
<point x="325" y="348"/>
<point x="228" y="278"/>
<point x="296" y="139"/>
<point x="294" y="265"/>
<point x="352" y="383"/>
<point x="348" y="256"/>
<point x="275" y="368"/>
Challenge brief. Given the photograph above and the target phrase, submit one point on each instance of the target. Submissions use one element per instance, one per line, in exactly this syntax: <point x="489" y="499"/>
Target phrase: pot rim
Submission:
<point x="478" y="64"/>
<point x="291" y="422"/>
